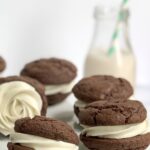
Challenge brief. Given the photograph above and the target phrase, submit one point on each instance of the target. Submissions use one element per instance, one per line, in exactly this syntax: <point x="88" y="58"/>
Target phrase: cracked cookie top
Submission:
<point x="48" y="128"/>
<point x="100" y="87"/>
<point x="50" y="71"/>
<point x="112" y="113"/>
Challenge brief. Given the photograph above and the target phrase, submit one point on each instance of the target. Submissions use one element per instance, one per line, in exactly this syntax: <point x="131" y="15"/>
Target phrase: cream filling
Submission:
<point x="40" y="143"/>
<point x="17" y="100"/>
<point x="117" y="132"/>
<point x="63" y="88"/>
<point x="82" y="104"/>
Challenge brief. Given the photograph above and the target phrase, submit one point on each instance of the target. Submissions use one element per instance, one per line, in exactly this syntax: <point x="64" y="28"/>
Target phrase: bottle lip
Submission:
<point x="106" y="11"/>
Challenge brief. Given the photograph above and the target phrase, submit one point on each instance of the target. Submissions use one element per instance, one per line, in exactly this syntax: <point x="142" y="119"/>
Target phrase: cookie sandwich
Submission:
<point x="115" y="126"/>
<point x="57" y="75"/>
<point x="100" y="88"/>
<point x="41" y="133"/>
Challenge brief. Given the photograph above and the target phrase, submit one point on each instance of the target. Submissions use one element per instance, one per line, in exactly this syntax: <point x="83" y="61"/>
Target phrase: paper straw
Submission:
<point x="115" y="45"/>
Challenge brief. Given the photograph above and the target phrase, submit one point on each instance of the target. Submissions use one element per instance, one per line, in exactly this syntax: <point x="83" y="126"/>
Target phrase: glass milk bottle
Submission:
<point x="120" y="63"/>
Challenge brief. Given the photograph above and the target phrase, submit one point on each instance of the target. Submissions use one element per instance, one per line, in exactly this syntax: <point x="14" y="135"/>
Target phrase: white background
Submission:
<point x="31" y="29"/>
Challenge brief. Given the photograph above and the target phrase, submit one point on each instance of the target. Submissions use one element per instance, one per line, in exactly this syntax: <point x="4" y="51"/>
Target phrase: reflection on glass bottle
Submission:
<point x="122" y="62"/>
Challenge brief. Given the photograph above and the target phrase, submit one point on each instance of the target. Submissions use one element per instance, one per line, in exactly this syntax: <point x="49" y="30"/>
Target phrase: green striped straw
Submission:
<point x="115" y="38"/>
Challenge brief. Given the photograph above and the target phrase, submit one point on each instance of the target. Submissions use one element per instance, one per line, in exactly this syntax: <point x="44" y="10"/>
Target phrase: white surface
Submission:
<point x="30" y="29"/>
<point x="64" y="111"/>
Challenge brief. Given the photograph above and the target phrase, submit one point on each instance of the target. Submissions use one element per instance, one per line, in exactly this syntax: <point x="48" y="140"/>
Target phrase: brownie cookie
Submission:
<point x="48" y="133"/>
<point x="56" y="74"/>
<point x="115" y="126"/>
<point x="20" y="97"/>
<point x="100" y="88"/>
<point x="2" y="64"/>
<point x="112" y="113"/>
<point x="97" y="88"/>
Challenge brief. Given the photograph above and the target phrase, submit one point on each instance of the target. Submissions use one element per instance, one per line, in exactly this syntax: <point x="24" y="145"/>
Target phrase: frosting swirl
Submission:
<point x="17" y="100"/>
<point x="62" y="88"/>
<point x="118" y="132"/>
<point x="40" y="143"/>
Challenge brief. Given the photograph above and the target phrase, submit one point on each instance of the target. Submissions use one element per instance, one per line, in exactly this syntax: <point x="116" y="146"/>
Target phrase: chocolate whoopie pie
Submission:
<point x="41" y="132"/>
<point x="2" y="64"/>
<point x="115" y="126"/>
<point x="100" y="88"/>
<point x="58" y="76"/>
<point x="20" y="97"/>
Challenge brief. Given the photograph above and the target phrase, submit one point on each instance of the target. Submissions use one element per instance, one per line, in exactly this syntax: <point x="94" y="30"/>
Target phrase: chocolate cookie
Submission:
<point x="2" y="64"/>
<point x="56" y="98"/>
<point x="134" y="143"/>
<point x="47" y="129"/>
<point x="107" y="88"/>
<point x="112" y="113"/>
<point x="20" y="97"/>
<point x="56" y="74"/>
<point x="115" y="126"/>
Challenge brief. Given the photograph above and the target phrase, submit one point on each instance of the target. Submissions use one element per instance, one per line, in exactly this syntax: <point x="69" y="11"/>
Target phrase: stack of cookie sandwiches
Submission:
<point x="57" y="75"/>
<point x="2" y="64"/>
<point x="99" y="88"/>
<point x="115" y="126"/>
<point x="110" y="120"/>
<point x="20" y="97"/>
<point x="41" y="133"/>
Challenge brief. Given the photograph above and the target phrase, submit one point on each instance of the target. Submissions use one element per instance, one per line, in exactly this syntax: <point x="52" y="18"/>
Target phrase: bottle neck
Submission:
<point x="104" y="29"/>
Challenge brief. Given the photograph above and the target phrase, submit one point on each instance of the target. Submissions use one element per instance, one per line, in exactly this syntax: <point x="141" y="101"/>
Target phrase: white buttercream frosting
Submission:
<point x="82" y="104"/>
<point x="17" y="100"/>
<point x="62" y="88"/>
<point x="40" y="143"/>
<point x="119" y="131"/>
